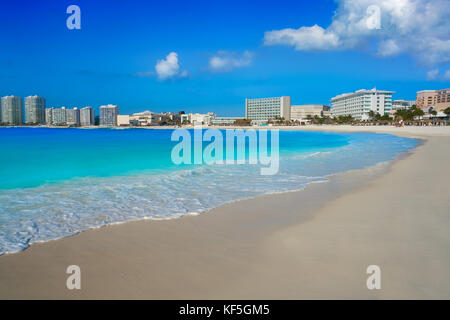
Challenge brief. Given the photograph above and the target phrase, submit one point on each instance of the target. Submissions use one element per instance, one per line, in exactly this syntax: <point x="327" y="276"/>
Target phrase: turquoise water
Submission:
<point x="57" y="182"/>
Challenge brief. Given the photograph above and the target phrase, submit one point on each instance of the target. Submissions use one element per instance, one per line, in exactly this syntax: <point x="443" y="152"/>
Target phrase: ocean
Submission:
<point x="58" y="182"/>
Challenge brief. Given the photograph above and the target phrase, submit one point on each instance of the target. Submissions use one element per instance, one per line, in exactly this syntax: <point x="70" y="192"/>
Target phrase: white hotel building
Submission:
<point x="359" y="103"/>
<point x="268" y="108"/>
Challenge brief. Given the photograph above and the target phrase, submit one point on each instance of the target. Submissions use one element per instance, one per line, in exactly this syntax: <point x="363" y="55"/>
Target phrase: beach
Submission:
<point x="309" y="244"/>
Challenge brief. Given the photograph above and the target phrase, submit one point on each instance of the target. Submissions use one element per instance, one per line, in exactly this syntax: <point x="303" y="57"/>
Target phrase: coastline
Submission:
<point x="235" y="246"/>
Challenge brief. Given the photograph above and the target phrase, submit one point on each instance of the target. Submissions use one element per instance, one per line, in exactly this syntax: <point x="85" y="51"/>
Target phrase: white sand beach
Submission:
<point x="310" y="244"/>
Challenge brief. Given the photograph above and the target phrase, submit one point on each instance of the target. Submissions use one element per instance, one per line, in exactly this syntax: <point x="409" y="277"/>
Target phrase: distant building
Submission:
<point x="108" y="115"/>
<point x="73" y="117"/>
<point x="402" y="104"/>
<point x="358" y="104"/>
<point x="49" y="116"/>
<point x="34" y="109"/>
<point x="197" y="118"/>
<point x="11" y="110"/>
<point x="87" y="116"/>
<point x="301" y="112"/>
<point x="170" y="116"/>
<point x="438" y="99"/>
<point x="225" y="120"/>
<point x="123" y="120"/>
<point x="143" y="119"/>
<point x="58" y="116"/>
<point x="268" y="108"/>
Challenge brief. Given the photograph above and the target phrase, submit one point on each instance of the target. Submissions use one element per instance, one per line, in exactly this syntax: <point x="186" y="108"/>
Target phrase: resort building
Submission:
<point x="57" y="116"/>
<point x="402" y="104"/>
<point x="268" y="108"/>
<point x="144" y="119"/>
<point x="108" y="115"/>
<point x="173" y="116"/>
<point x="123" y="120"/>
<point x="49" y="116"/>
<point x="197" y="118"/>
<point x="87" y="116"/>
<point x="225" y="120"/>
<point x="358" y="104"/>
<point x="11" y="110"/>
<point x="34" y="110"/>
<point x="73" y="117"/>
<point x="438" y="99"/>
<point x="301" y="112"/>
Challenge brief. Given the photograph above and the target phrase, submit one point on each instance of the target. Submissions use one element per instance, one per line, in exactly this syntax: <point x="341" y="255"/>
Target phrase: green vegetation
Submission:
<point x="409" y="114"/>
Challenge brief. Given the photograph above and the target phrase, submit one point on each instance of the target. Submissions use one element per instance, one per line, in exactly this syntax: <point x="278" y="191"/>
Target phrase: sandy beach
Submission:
<point x="310" y="244"/>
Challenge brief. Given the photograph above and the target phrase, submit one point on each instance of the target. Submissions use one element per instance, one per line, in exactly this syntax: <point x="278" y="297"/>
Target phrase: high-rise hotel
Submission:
<point x="34" y="110"/>
<point x="11" y="110"/>
<point x="268" y="108"/>
<point x="358" y="104"/>
<point x="438" y="99"/>
<point x="73" y="117"/>
<point x="87" y="116"/>
<point x="108" y="115"/>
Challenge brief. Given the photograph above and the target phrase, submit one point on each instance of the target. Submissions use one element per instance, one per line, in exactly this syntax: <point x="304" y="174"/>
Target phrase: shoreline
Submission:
<point x="246" y="238"/>
<point x="326" y="178"/>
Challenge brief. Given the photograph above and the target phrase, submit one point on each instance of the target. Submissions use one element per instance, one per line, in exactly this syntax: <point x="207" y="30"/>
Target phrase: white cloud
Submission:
<point x="169" y="67"/>
<point x="225" y="61"/>
<point x="432" y="74"/>
<point x="304" y="38"/>
<point x="416" y="27"/>
<point x="388" y="48"/>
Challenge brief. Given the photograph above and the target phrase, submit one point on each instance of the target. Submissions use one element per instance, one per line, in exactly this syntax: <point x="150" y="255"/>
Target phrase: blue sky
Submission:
<point x="222" y="53"/>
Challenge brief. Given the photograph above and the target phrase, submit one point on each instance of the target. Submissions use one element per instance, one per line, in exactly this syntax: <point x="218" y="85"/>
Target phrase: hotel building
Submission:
<point x="358" y="104"/>
<point x="11" y="110"/>
<point x="73" y="117"/>
<point x="438" y="99"/>
<point x="87" y="116"/>
<point x="197" y="118"/>
<point x="225" y="120"/>
<point x="34" y="109"/>
<point x="108" y="115"/>
<point x="58" y="116"/>
<point x="402" y="104"/>
<point x="49" y="116"/>
<point x="123" y="120"/>
<point x="301" y="112"/>
<point x="268" y="108"/>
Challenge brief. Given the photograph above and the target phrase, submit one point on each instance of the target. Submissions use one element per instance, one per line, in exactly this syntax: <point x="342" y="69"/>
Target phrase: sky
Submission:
<point x="201" y="56"/>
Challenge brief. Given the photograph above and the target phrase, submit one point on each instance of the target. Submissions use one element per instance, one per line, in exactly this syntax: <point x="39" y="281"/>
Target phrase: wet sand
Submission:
<point x="315" y="243"/>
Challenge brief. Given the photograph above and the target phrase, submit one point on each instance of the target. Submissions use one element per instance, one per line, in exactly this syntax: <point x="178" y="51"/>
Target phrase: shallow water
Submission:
<point x="57" y="182"/>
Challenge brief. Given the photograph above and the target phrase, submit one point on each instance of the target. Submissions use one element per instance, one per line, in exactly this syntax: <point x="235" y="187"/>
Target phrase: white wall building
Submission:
<point x="225" y="120"/>
<point x="11" y="110"/>
<point x="402" y="104"/>
<point x="57" y="116"/>
<point x="123" y="120"/>
<point x="108" y="115"/>
<point x="358" y="104"/>
<point x="301" y="112"/>
<point x="73" y="117"/>
<point x="268" y="108"/>
<point x="87" y="116"/>
<point x="197" y="118"/>
<point x="34" y="109"/>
